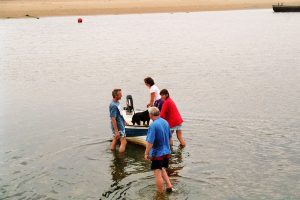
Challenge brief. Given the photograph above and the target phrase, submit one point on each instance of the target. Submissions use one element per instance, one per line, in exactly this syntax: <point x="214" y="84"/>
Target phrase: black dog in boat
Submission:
<point x="141" y="116"/>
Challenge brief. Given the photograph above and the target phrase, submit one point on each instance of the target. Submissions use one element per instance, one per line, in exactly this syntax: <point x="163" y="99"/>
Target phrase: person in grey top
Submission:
<point x="117" y="121"/>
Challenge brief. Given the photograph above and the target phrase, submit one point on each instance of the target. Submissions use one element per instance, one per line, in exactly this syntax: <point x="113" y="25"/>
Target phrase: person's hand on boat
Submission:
<point x="149" y="105"/>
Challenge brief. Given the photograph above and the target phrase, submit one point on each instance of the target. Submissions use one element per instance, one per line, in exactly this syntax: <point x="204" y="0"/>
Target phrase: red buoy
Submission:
<point x="79" y="20"/>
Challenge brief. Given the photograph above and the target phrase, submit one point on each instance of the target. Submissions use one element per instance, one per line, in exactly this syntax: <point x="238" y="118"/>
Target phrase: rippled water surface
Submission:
<point x="234" y="75"/>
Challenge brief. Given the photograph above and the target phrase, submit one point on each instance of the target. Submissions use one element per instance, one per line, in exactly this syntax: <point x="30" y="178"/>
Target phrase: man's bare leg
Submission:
<point x="113" y="143"/>
<point x="158" y="180"/>
<point x="122" y="145"/>
<point x="166" y="178"/>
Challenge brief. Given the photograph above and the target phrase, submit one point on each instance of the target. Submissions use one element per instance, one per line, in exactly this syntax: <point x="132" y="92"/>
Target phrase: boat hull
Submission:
<point x="140" y="140"/>
<point x="281" y="8"/>
<point x="136" y="134"/>
<point x="136" y="131"/>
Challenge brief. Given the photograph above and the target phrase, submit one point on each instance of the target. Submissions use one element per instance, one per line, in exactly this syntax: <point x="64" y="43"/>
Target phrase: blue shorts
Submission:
<point x="122" y="134"/>
<point x="176" y="128"/>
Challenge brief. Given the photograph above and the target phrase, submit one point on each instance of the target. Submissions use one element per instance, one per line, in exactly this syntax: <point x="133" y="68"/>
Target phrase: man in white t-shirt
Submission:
<point x="155" y="98"/>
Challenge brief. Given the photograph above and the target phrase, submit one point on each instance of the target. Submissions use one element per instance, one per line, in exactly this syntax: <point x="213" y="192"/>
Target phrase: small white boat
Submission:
<point x="134" y="133"/>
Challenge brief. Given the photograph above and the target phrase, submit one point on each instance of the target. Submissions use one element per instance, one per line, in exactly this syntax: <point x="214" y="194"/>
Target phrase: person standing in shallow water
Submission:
<point x="155" y="98"/>
<point x="170" y="113"/>
<point x="117" y="121"/>
<point x="158" y="149"/>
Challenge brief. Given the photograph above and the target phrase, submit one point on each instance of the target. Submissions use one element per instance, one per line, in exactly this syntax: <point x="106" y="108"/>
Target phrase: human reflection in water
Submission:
<point x="119" y="162"/>
<point x="124" y="165"/>
<point x="160" y="196"/>
<point x="132" y="162"/>
<point x="176" y="162"/>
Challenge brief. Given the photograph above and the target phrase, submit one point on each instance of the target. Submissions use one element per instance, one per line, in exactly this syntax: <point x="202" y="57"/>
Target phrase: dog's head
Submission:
<point x="146" y="112"/>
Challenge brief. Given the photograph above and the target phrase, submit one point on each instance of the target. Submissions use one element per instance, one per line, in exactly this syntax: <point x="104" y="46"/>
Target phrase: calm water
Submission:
<point x="234" y="75"/>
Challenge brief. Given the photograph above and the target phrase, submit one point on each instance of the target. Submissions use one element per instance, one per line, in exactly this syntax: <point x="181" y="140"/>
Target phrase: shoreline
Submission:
<point x="48" y="8"/>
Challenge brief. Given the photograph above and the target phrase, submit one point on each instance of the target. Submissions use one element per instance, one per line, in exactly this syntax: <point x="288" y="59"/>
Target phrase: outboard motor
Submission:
<point x="129" y="102"/>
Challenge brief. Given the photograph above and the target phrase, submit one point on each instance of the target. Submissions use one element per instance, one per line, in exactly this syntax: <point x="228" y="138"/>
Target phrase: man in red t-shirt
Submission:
<point x="170" y="113"/>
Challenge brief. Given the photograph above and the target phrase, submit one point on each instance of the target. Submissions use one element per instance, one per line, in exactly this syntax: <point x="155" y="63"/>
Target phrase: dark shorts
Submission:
<point x="160" y="162"/>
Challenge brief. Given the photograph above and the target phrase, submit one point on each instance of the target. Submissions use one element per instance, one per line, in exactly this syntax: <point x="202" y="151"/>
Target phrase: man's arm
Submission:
<point x="150" y="140"/>
<point x="114" y="123"/>
<point x="147" y="151"/>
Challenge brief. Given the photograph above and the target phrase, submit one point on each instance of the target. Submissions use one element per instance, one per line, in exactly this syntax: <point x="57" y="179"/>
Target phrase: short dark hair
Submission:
<point x="149" y="81"/>
<point x="165" y="92"/>
<point x="115" y="92"/>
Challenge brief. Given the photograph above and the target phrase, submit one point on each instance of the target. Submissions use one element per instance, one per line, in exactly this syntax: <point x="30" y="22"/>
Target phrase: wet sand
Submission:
<point x="38" y="8"/>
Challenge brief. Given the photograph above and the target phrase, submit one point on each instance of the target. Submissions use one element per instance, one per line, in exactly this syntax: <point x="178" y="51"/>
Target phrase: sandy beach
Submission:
<point x="38" y="8"/>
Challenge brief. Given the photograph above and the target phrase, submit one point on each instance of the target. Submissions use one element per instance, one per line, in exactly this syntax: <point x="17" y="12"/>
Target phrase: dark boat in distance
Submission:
<point x="284" y="8"/>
